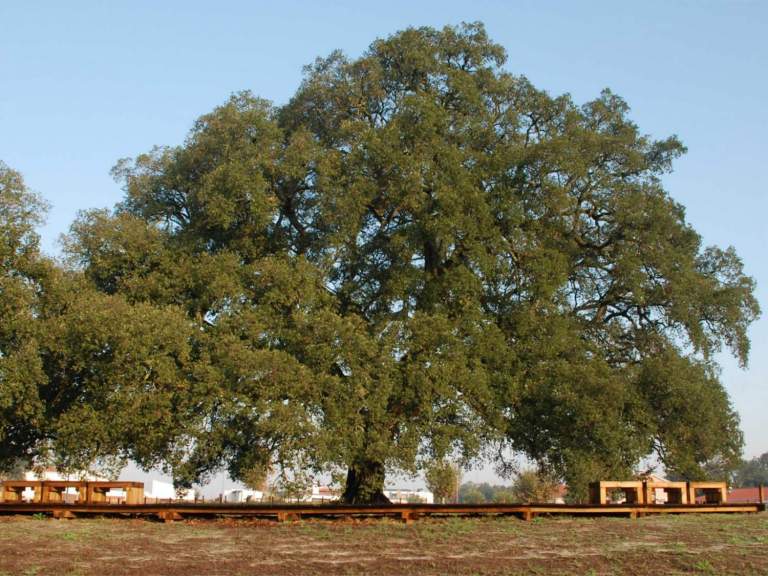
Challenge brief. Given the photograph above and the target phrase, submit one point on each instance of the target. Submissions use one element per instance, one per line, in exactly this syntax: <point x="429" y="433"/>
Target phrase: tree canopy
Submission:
<point x="85" y="378"/>
<point x="419" y="257"/>
<point x="443" y="479"/>
<point x="752" y="472"/>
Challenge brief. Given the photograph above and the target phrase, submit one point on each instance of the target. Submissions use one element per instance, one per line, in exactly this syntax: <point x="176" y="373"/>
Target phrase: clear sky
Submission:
<point x="83" y="84"/>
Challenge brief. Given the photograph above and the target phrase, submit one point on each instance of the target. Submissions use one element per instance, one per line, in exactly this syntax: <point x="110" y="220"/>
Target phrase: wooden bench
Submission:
<point x="714" y="492"/>
<point x="677" y="492"/>
<point x="54" y="491"/>
<point x="13" y="490"/>
<point x="97" y="491"/>
<point x="633" y="491"/>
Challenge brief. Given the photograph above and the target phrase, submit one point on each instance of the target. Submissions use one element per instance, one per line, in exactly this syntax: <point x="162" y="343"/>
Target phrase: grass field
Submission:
<point x="690" y="544"/>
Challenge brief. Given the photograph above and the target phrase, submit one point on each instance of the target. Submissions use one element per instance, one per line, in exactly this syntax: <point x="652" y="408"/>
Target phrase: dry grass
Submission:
<point x="690" y="544"/>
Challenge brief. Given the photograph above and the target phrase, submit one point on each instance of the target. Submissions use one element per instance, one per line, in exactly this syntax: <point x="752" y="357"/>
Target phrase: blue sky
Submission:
<point x="83" y="84"/>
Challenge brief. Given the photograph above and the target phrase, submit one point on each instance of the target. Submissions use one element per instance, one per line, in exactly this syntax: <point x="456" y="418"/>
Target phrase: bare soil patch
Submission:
<point x="690" y="544"/>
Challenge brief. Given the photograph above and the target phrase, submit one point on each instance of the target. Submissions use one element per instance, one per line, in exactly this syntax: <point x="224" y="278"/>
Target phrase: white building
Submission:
<point x="242" y="495"/>
<point x="403" y="496"/>
<point x="159" y="490"/>
<point x="321" y="494"/>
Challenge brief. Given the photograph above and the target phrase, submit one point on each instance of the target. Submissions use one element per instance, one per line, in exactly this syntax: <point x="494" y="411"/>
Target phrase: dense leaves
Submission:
<point x="85" y="378"/>
<point x="752" y="472"/>
<point x="419" y="257"/>
<point x="443" y="480"/>
<point x="532" y="486"/>
<point x="20" y="408"/>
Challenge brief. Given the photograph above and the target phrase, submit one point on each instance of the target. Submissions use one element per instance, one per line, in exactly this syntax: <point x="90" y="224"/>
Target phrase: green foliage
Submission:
<point x="532" y="486"/>
<point x="256" y="478"/>
<point x="752" y="472"/>
<point x="470" y="493"/>
<point x="529" y="485"/>
<point x="19" y="364"/>
<point x="479" y="493"/>
<point x="419" y="257"/>
<point x="443" y="480"/>
<point x="85" y="378"/>
<point x="292" y="489"/>
<point x="693" y="416"/>
<point x="415" y="499"/>
<point x="12" y="469"/>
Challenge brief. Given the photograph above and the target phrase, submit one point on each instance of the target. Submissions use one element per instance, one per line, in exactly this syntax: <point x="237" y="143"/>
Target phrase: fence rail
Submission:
<point x="406" y="512"/>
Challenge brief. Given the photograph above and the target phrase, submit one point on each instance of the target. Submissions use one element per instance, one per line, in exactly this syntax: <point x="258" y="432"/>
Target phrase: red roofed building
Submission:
<point x="738" y="495"/>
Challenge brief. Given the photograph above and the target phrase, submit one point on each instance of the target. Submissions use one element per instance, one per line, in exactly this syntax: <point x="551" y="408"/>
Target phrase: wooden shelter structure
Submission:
<point x="13" y="490"/>
<point x="677" y="492"/>
<point x="53" y="491"/>
<point x="134" y="491"/>
<point x="646" y="491"/>
<point x="713" y="492"/>
<point x="633" y="491"/>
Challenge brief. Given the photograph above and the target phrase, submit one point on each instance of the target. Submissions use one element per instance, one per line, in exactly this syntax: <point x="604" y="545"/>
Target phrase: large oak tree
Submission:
<point x="420" y="256"/>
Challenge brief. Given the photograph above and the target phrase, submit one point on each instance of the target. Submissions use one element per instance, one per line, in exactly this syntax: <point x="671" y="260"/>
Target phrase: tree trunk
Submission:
<point x="365" y="484"/>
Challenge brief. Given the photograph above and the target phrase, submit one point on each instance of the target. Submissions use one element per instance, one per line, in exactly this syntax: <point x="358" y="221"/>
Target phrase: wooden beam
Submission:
<point x="407" y="512"/>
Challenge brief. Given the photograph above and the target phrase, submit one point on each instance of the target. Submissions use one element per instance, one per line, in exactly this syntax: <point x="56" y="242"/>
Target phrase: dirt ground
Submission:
<point x="690" y="544"/>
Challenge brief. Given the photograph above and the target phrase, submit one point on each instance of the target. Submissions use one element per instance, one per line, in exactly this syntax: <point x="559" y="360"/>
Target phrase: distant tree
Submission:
<point x="718" y="469"/>
<point x="504" y="495"/>
<point x="469" y="493"/>
<point x="488" y="490"/>
<point x="443" y="480"/>
<point x="532" y="485"/>
<point x="472" y="492"/>
<point x="752" y="472"/>
<point x="294" y="488"/>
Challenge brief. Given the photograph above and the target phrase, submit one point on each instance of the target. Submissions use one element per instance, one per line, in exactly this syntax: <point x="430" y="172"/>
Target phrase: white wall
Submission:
<point x="238" y="495"/>
<point x="160" y="490"/>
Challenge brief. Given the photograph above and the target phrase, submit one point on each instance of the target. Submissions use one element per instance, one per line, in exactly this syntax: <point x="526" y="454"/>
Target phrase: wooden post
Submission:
<point x="63" y="514"/>
<point x="96" y="495"/>
<point x="134" y="494"/>
<point x="648" y="494"/>
<point x="169" y="516"/>
<point x="13" y="490"/>
<point x="760" y="494"/>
